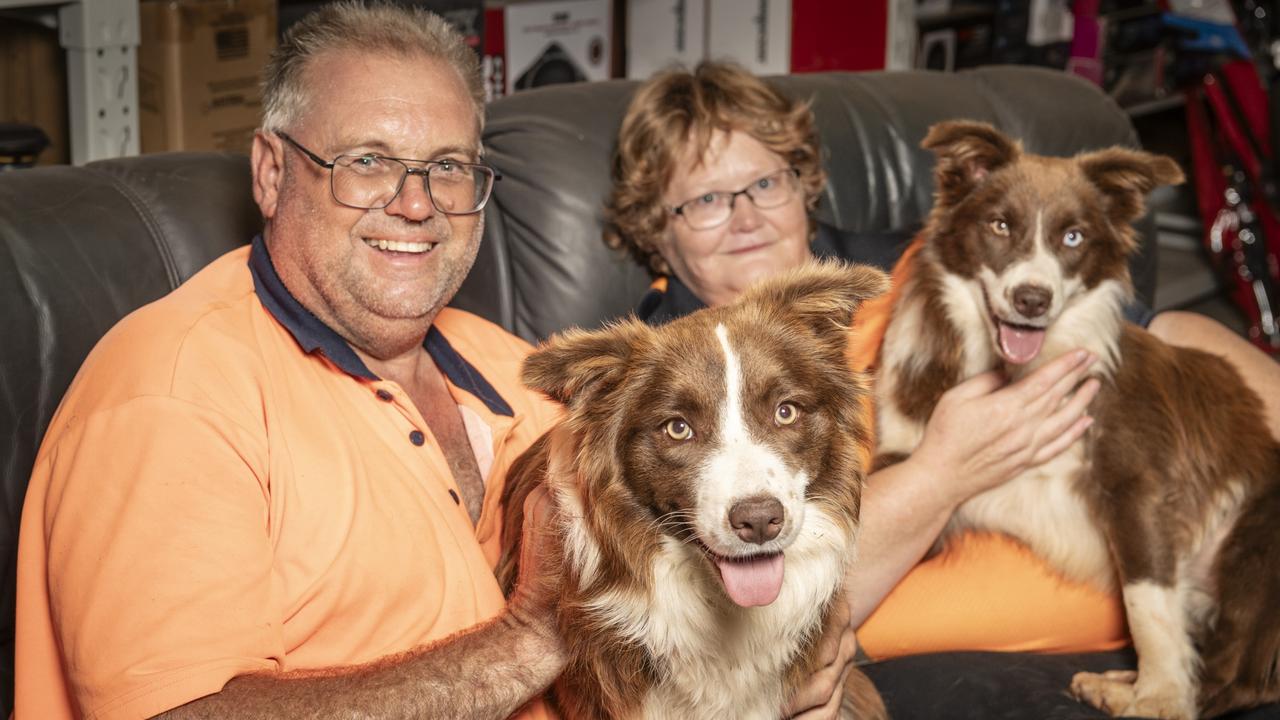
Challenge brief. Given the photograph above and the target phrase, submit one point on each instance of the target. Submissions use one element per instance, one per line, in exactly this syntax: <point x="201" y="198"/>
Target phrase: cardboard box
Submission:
<point x="199" y="72"/>
<point x="546" y="43"/>
<point x="33" y="85"/>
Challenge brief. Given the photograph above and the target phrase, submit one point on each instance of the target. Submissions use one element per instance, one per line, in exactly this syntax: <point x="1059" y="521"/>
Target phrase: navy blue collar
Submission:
<point x="313" y="335"/>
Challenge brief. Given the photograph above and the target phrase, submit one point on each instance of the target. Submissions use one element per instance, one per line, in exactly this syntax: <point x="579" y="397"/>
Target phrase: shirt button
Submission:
<point x="417" y="438"/>
<point x="455" y="497"/>
<point x="384" y="395"/>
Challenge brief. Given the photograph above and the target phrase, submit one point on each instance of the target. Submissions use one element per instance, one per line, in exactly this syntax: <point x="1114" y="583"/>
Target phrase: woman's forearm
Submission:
<point x="902" y="514"/>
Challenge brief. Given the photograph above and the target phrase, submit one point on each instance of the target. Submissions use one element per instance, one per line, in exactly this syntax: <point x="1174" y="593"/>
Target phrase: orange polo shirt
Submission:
<point x="227" y="489"/>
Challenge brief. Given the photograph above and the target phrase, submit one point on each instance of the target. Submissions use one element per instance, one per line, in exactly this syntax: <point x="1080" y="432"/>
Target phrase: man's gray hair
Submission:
<point x="372" y="28"/>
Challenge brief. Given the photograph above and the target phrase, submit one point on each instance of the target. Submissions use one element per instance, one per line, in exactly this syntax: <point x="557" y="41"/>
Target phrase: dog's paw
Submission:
<point x="1166" y="704"/>
<point x="1117" y="693"/>
<point x="1111" y="692"/>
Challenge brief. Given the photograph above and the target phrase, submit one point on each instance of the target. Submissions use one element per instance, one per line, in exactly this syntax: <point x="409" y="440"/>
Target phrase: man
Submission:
<point x="274" y="493"/>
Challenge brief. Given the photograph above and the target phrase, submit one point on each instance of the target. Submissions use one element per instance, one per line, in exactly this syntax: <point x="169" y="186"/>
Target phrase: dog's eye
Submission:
<point x="678" y="429"/>
<point x="786" y="414"/>
<point x="1073" y="238"/>
<point x="1000" y="227"/>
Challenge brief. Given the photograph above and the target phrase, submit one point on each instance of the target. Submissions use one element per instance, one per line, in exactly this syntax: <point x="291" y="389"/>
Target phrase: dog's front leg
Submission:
<point x="1165" y="684"/>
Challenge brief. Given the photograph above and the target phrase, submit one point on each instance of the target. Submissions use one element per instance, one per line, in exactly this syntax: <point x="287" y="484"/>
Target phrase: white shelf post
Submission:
<point x="101" y="40"/>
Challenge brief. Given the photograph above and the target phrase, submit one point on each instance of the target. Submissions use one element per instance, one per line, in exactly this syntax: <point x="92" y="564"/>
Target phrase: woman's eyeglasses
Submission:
<point x="715" y="208"/>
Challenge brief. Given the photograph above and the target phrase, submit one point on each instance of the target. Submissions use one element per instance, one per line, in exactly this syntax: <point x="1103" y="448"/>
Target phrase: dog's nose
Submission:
<point x="1031" y="301"/>
<point x="756" y="519"/>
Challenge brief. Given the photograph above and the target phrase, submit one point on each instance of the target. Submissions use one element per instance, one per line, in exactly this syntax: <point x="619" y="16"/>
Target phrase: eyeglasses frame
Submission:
<point x="423" y="171"/>
<point x="733" y="198"/>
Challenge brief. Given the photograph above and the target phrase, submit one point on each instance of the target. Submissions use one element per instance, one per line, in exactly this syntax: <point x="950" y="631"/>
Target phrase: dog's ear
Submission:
<point x="574" y="362"/>
<point x="967" y="152"/>
<point x="1126" y="176"/>
<point x="823" y="294"/>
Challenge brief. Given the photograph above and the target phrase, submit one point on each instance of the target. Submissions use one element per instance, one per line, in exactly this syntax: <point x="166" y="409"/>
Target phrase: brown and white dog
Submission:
<point x="1175" y="489"/>
<point x="714" y="502"/>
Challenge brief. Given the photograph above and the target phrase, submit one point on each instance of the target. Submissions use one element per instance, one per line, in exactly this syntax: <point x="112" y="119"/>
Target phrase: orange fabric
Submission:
<point x="988" y="592"/>
<point x="210" y="501"/>
<point x="983" y="591"/>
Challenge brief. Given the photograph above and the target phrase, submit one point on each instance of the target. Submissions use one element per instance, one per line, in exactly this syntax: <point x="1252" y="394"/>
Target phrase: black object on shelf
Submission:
<point x="20" y="145"/>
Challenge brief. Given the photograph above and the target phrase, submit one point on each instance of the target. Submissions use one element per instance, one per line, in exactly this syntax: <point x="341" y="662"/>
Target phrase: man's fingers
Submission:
<point x="537" y="506"/>
<point x="830" y="710"/>
<point x="817" y="691"/>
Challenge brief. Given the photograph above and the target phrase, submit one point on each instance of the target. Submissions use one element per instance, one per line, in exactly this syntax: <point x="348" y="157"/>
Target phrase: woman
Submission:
<point x="715" y="178"/>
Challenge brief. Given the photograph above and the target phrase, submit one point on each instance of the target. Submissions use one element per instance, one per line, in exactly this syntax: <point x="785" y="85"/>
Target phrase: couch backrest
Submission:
<point x="81" y="247"/>
<point x="544" y="266"/>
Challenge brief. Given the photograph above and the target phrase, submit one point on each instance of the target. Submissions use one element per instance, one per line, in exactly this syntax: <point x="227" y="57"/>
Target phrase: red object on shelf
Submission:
<point x="838" y="36"/>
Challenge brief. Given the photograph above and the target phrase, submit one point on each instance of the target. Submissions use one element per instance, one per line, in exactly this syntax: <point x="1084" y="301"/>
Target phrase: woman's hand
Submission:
<point x="985" y="431"/>
<point x="820" y="697"/>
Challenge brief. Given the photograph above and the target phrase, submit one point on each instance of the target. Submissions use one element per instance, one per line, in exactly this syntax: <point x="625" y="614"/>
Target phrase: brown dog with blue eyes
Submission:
<point x="1173" y="493"/>
<point x="712" y="510"/>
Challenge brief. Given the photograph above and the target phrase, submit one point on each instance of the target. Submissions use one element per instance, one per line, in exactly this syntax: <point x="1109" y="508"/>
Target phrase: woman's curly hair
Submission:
<point x="678" y="107"/>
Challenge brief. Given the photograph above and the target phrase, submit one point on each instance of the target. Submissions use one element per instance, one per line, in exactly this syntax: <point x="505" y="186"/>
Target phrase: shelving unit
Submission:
<point x="100" y="38"/>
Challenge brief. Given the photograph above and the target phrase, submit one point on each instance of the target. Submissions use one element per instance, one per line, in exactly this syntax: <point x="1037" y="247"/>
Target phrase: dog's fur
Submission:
<point x="650" y="628"/>
<point x="1173" y="489"/>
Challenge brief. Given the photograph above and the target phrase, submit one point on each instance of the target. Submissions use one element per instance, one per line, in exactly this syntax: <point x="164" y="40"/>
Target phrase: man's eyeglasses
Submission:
<point x="369" y="181"/>
<point x="715" y="208"/>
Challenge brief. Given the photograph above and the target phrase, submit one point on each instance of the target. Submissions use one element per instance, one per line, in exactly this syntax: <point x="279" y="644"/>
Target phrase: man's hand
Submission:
<point x="984" y="432"/>
<point x="820" y="697"/>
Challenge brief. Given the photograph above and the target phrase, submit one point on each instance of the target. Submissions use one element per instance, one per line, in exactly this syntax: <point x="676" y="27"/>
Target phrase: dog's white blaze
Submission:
<point x="741" y="468"/>
<point x="683" y="620"/>
<point x="1167" y="661"/>
<point x="1041" y="269"/>
<point x="1041" y="508"/>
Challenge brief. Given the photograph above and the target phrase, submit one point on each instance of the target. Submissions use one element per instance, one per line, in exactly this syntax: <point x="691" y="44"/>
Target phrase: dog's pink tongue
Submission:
<point x="1020" y="345"/>
<point x="752" y="582"/>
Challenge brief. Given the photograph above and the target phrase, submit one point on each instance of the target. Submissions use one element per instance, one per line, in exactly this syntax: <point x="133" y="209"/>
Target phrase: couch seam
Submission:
<point x="149" y="220"/>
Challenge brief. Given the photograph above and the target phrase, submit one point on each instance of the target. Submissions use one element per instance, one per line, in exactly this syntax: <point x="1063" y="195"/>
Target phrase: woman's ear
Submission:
<point x="266" y="160"/>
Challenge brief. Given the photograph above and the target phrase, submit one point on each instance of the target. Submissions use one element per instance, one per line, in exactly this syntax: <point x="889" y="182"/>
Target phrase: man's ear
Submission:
<point x="574" y="366"/>
<point x="967" y="152"/>
<point x="267" y="163"/>
<point x="1126" y="176"/>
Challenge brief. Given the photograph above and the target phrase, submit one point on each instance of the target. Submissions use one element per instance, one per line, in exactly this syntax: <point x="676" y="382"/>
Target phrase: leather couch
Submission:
<point x="83" y="246"/>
